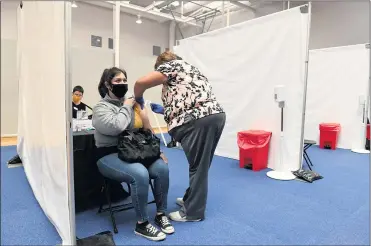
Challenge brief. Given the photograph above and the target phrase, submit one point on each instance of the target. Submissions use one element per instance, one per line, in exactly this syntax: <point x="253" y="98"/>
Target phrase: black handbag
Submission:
<point x="138" y="146"/>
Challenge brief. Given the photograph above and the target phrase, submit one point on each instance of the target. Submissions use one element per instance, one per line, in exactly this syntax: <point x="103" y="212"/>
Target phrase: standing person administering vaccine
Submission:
<point x="194" y="118"/>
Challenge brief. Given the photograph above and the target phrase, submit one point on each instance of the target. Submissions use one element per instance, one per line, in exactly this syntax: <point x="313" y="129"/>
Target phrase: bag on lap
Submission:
<point x="138" y="146"/>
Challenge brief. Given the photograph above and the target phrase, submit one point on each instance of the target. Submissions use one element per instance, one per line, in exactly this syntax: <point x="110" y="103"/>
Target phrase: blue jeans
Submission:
<point x="138" y="177"/>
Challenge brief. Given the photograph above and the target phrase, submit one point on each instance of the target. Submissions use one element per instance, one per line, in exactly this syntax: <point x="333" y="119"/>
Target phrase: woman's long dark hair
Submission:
<point x="107" y="75"/>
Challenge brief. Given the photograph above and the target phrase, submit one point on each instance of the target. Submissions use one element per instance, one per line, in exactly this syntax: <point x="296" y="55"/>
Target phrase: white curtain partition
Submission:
<point x="42" y="109"/>
<point x="244" y="63"/>
<point x="337" y="78"/>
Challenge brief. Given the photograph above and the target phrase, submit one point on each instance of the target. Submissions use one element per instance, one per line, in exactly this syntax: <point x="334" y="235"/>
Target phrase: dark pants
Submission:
<point x="199" y="139"/>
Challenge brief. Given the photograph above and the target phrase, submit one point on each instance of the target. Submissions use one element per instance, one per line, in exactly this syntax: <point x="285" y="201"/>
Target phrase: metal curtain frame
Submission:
<point x="69" y="137"/>
<point x="305" y="86"/>
<point x="368" y="93"/>
<point x="367" y="101"/>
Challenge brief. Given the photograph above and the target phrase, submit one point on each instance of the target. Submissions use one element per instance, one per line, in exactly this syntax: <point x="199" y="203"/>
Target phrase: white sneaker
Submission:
<point x="180" y="202"/>
<point x="177" y="216"/>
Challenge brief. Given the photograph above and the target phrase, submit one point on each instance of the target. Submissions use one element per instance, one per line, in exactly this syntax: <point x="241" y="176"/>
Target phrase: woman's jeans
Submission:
<point x="138" y="176"/>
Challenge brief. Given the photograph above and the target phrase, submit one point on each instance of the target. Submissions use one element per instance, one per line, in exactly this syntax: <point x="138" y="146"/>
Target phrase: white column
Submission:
<point x="182" y="9"/>
<point x="228" y="16"/>
<point x="223" y="14"/>
<point x="172" y="35"/>
<point x="116" y="33"/>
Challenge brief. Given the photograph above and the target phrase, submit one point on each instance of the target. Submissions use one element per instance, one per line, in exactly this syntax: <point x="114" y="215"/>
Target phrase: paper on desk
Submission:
<point x="82" y="124"/>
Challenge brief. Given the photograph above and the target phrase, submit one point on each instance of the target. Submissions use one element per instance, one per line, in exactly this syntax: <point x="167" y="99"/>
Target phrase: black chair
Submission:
<point x="117" y="208"/>
<point x="307" y="145"/>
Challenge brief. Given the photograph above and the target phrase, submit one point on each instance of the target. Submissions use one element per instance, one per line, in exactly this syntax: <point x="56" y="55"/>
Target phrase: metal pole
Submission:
<point x="211" y="21"/>
<point x="116" y="32"/>
<point x="228" y="16"/>
<point x="223" y="15"/>
<point x="176" y="23"/>
<point x="182" y="10"/>
<point x="368" y="93"/>
<point x="171" y="35"/>
<point x="305" y="86"/>
<point x="69" y="137"/>
<point x="288" y="4"/>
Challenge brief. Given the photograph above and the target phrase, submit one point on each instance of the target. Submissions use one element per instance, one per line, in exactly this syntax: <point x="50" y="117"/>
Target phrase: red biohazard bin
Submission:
<point x="368" y="132"/>
<point x="329" y="134"/>
<point x="254" y="149"/>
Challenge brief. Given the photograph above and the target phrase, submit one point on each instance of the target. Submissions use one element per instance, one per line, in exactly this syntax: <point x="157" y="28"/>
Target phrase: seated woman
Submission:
<point x="111" y="116"/>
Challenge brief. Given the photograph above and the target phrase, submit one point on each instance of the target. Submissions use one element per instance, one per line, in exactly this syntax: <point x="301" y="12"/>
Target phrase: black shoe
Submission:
<point x="15" y="160"/>
<point x="163" y="222"/>
<point x="149" y="231"/>
<point x="171" y="144"/>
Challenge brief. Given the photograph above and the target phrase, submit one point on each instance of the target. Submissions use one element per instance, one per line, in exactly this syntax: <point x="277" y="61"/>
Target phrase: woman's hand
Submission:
<point x="164" y="158"/>
<point x="130" y="102"/>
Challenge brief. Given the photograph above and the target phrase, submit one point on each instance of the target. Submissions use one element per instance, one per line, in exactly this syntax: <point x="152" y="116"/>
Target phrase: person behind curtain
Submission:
<point x="194" y="118"/>
<point x="116" y="112"/>
<point x="77" y="105"/>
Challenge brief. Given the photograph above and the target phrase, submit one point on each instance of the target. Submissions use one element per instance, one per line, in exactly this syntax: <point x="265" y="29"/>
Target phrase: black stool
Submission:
<point x="307" y="145"/>
<point x="117" y="208"/>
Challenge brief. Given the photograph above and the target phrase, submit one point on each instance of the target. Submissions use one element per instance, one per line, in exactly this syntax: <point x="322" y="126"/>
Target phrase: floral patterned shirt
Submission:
<point x="187" y="95"/>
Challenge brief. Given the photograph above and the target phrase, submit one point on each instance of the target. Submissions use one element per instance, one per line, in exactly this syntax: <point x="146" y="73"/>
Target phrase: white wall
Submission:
<point x="9" y="82"/>
<point x="136" y="42"/>
<point x="339" y="24"/>
<point x="87" y="62"/>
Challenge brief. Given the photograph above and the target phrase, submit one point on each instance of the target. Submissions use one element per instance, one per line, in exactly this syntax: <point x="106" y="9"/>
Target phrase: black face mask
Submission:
<point x="119" y="90"/>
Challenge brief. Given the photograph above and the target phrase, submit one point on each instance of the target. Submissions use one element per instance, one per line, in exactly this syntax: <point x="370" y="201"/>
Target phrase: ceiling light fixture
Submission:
<point x="74" y="5"/>
<point x="139" y="21"/>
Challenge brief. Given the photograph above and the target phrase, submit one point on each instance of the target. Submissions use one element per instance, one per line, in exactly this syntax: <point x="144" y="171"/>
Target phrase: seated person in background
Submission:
<point x="115" y="113"/>
<point x="77" y="105"/>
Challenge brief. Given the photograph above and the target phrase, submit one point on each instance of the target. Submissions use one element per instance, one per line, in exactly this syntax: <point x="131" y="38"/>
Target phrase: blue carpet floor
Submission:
<point x="244" y="207"/>
<point x="22" y="220"/>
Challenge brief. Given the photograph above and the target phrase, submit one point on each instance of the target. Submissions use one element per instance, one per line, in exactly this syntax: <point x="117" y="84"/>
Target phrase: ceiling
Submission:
<point x="192" y="9"/>
<point x="191" y="12"/>
<point x="187" y="12"/>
